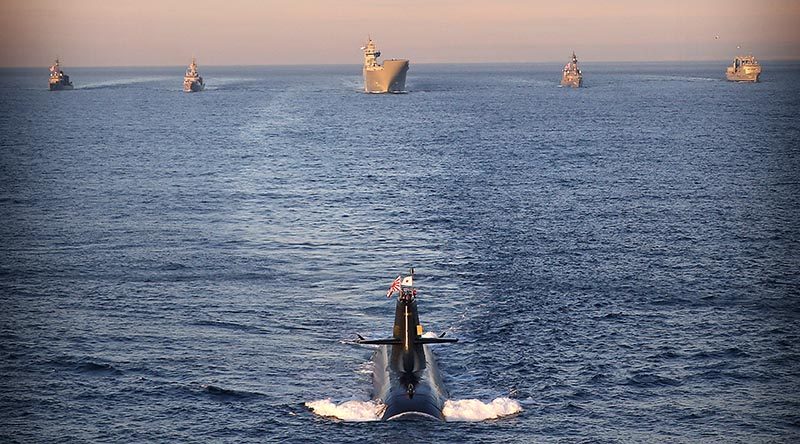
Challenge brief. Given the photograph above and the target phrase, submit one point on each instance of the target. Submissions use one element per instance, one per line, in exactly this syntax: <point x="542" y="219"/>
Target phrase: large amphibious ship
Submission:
<point x="389" y="77"/>
<point x="192" y="82"/>
<point x="58" y="80"/>
<point x="744" y="69"/>
<point x="572" y="75"/>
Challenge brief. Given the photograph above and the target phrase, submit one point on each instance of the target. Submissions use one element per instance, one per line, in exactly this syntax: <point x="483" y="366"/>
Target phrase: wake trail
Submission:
<point x="121" y="82"/>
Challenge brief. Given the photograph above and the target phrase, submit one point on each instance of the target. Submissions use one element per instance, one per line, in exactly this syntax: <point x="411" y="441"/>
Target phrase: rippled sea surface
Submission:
<point x="621" y="259"/>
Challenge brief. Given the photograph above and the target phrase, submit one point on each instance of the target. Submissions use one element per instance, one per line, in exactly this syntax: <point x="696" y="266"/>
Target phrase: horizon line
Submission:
<point x="770" y="59"/>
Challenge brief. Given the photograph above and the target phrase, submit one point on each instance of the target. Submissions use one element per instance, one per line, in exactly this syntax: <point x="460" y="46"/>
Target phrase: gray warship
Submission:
<point x="572" y="76"/>
<point x="389" y="77"/>
<point x="192" y="82"/>
<point x="744" y="69"/>
<point x="58" y="80"/>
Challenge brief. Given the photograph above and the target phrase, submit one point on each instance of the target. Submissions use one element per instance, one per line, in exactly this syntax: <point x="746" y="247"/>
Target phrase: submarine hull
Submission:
<point x="390" y="384"/>
<point x="389" y="78"/>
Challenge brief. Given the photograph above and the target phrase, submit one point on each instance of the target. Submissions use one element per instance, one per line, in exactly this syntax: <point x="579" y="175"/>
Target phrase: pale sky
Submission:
<point x="266" y="32"/>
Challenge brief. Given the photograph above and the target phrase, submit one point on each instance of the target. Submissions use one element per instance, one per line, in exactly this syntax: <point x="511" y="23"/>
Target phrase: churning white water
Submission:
<point x="454" y="410"/>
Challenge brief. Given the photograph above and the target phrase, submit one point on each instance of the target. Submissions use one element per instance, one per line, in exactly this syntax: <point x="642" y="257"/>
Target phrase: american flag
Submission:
<point x="394" y="287"/>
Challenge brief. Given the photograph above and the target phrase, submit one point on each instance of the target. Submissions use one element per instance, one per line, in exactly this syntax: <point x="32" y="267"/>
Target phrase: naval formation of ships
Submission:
<point x="390" y="76"/>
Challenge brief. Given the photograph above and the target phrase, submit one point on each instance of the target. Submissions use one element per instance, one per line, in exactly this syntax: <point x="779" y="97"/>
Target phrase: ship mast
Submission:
<point x="573" y="65"/>
<point x="55" y="70"/>
<point x="191" y="71"/>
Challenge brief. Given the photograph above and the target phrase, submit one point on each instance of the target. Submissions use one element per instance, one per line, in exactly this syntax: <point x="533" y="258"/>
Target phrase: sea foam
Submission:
<point x="348" y="410"/>
<point x="454" y="410"/>
<point x="476" y="410"/>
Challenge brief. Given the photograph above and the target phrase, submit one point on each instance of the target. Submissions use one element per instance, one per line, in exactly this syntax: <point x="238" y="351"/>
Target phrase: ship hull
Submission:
<point x="193" y="86"/>
<point x="60" y="87"/>
<point x="389" y="78"/>
<point x="572" y="81"/>
<point x="390" y="384"/>
<point x="751" y="77"/>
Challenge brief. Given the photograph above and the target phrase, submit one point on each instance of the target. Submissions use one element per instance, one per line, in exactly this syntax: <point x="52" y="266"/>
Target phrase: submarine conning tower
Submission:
<point x="407" y="351"/>
<point x="406" y="319"/>
<point x="407" y="331"/>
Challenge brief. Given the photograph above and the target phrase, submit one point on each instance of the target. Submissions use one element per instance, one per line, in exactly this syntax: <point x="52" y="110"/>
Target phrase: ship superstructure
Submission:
<point x="381" y="78"/>
<point x="192" y="81"/>
<point x="58" y="80"/>
<point x="572" y="75"/>
<point x="744" y="69"/>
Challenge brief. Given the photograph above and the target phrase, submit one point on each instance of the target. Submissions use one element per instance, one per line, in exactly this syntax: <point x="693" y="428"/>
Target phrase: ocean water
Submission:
<point x="621" y="261"/>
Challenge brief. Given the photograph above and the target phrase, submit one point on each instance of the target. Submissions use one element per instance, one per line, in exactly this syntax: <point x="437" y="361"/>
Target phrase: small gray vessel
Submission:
<point x="744" y="69"/>
<point x="192" y="82"/>
<point x="58" y="80"/>
<point x="572" y="76"/>
<point x="389" y="77"/>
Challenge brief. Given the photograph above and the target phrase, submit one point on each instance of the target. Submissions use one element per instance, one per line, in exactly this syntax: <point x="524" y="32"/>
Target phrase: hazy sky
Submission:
<point x="256" y="32"/>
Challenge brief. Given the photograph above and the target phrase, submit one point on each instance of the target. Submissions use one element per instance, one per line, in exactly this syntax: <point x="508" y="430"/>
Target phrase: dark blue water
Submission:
<point x="621" y="259"/>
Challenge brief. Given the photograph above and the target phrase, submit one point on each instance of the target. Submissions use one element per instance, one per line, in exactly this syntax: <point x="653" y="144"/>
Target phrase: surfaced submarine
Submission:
<point x="406" y="377"/>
